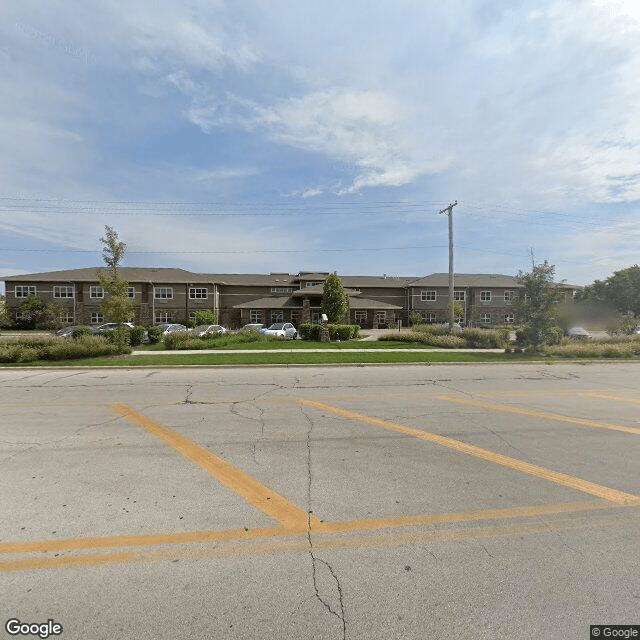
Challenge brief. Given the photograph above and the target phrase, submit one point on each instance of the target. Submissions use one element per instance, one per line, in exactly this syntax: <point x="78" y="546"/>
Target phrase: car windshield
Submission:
<point x="279" y="325"/>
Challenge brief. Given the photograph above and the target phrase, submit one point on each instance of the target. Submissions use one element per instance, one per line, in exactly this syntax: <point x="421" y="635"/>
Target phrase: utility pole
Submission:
<point x="449" y="211"/>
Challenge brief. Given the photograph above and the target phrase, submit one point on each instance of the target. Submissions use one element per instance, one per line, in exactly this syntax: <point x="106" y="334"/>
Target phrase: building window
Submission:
<point x="255" y="315"/>
<point x="192" y="316"/>
<point x="428" y="296"/>
<point x="68" y="317"/>
<point x="381" y="317"/>
<point x="197" y="293"/>
<point x="131" y="292"/>
<point x="295" y="317"/>
<point x="313" y="283"/>
<point x="96" y="317"/>
<point x="96" y="292"/>
<point x="485" y="296"/>
<point x="429" y="318"/>
<point x="315" y="317"/>
<point x="361" y="317"/>
<point x="509" y="318"/>
<point x="459" y="296"/>
<point x="62" y="291"/>
<point x="281" y="289"/>
<point x="19" y="315"/>
<point x="508" y="296"/>
<point x="24" y="291"/>
<point x="163" y="293"/>
<point x="277" y="316"/>
<point x="162" y="317"/>
<point x="485" y="318"/>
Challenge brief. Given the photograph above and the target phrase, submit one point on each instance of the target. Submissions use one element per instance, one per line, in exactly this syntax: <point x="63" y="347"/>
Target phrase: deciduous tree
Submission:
<point x="335" y="301"/>
<point x="118" y="307"/>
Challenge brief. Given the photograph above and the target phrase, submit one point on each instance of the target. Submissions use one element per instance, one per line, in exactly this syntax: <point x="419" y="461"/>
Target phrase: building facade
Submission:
<point x="175" y="295"/>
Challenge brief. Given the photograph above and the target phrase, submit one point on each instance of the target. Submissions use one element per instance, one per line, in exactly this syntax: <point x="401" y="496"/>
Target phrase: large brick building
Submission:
<point x="174" y="295"/>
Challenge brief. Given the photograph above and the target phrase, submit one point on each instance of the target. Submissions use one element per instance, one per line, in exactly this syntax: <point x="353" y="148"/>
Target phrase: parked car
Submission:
<point x="456" y="327"/>
<point x="111" y="326"/>
<point x="281" y="330"/>
<point x="203" y="329"/>
<point x="66" y="332"/>
<point x="254" y="326"/>
<point x="578" y="333"/>
<point x="171" y="328"/>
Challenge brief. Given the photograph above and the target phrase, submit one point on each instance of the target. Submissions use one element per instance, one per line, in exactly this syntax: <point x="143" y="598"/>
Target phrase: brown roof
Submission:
<point x="318" y="290"/>
<point x="365" y="303"/>
<point x="467" y="280"/>
<point x="132" y="274"/>
<point x="270" y="303"/>
<point x="252" y="279"/>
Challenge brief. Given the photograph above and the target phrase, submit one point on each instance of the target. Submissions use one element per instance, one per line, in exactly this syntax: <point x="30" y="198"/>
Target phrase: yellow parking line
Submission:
<point x="299" y="544"/>
<point x="606" y="396"/>
<point x="190" y="537"/>
<point x="534" y="413"/>
<point x="257" y="494"/>
<point x="612" y="495"/>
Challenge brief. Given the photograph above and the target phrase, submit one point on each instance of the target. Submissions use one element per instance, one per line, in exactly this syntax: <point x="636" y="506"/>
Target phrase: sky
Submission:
<point x="261" y="136"/>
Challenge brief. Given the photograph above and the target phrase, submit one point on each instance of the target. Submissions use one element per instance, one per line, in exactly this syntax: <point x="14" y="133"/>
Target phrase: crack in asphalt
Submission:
<point x="314" y="559"/>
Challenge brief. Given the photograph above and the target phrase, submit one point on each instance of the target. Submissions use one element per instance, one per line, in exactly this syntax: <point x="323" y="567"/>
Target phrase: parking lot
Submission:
<point x="467" y="501"/>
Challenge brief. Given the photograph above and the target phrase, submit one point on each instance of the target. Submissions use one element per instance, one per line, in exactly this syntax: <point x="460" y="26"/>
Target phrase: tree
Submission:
<point x="335" y="301"/>
<point x="4" y="312"/>
<point x="621" y="291"/>
<point x="119" y="307"/>
<point x="537" y="304"/>
<point x="55" y="315"/>
<point x="206" y="316"/>
<point x="32" y="309"/>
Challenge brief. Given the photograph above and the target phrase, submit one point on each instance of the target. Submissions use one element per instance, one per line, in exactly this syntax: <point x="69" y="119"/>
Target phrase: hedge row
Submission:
<point x="336" y="331"/>
<point x="181" y="340"/>
<point x="31" y="349"/>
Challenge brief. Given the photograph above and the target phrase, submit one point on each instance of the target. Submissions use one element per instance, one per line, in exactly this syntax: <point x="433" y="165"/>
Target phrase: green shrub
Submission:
<point x="136" y="335"/>
<point x="309" y="331"/>
<point x="176" y="339"/>
<point x="82" y="331"/>
<point x="400" y="337"/>
<point x="485" y="338"/>
<point x="415" y="319"/>
<point x="119" y="336"/>
<point x="155" y="334"/>
<point x="342" y="331"/>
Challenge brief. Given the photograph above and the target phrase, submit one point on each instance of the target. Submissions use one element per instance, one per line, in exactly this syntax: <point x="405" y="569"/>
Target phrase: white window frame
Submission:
<point x="277" y="315"/>
<point x="485" y="318"/>
<point x="162" y="317"/>
<point x="192" y="316"/>
<point x="19" y="291"/>
<point x="131" y="292"/>
<point x="459" y="296"/>
<point x="381" y="317"/>
<point x="163" y="293"/>
<point x="68" y="318"/>
<point x="96" y="292"/>
<point x="429" y="318"/>
<point x="428" y="295"/>
<point x="255" y="316"/>
<point x="485" y="296"/>
<point x="60" y="289"/>
<point x="198" y="293"/>
<point x="509" y="295"/>
<point x="313" y="283"/>
<point x="360" y="316"/>
<point x="19" y="315"/>
<point x="509" y="318"/>
<point x="97" y="317"/>
<point x="281" y="289"/>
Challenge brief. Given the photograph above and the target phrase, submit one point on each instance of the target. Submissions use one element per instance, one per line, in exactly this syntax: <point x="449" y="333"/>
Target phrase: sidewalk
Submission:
<point x="337" y="350"/>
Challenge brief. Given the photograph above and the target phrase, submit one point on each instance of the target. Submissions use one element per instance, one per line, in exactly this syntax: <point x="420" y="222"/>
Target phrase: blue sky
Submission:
<point x="259" y="136"/>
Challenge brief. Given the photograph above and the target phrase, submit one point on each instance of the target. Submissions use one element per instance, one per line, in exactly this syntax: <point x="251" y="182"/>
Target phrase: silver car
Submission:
<point x="203" y="329"/>
<point x="281" y="330"/>
<point x="171" y="328"/>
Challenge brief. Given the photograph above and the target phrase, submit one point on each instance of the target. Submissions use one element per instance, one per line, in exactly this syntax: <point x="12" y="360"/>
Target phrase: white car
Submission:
<point x="202" y="329"/>
<point x="168" y="328"/>
<point x="110" y="326"/>
<point x="281" y="330"/>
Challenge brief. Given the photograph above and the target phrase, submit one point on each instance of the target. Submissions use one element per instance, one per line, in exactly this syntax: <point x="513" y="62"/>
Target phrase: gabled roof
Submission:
<point x="467" y="280"/>
<point x="132" y="274"/>
<point x="318" y="290"/>
<point x="270" y="303"/>
<point x="252" y="279"/>
<point x="365" y="303"/>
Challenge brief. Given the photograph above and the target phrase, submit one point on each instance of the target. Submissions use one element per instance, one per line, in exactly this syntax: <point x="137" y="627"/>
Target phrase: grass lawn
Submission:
<point x="297" y="345"/>
<point x="283" y="358"/>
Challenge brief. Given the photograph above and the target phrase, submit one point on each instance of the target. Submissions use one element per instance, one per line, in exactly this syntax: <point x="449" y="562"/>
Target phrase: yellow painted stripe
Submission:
<point x="606" y="396"/>
<point x="190" y="537"/>
<point x="534" y="413"/>
<point x="300" y="544"/>
<point x="255" y="493"/>
<point x="612" y="495"/>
